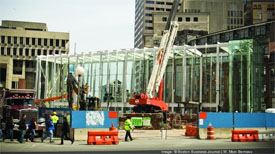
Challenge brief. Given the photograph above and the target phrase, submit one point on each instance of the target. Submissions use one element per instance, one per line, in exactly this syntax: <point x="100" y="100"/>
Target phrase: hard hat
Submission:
<point x="54" y="113"/>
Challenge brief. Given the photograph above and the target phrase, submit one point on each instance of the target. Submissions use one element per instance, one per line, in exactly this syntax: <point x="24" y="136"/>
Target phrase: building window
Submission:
<point x="149" y="8"/>
<point x="162" y="3"/>
<point x="51" y="42"/>
<point x="38" y="52"/>
<point x="196" y="19"/>
<point x="164" y="19"/>
<point x="9" y="39"/>
<point x="148" y="15"/>
<point x="150" y="2"/>
<point x="33" y="52"/>
<point x="45" y="42"/>
<point x="8" y="51"/>
<point x="20" y="52"/>
<point x="2" y="39"/>
<point x="63" y="43"/>
<point x="259" y="6"/>
<point x="15" y="40"/>
<point x="146" y="21"/>
<point x="56" y="52"/>
<point x="269" y="16"/>
<point x="57" y="43"/>
<point x="2" y="50"/>
<point x="27" y="41"/>
<point x="14" y="51"/>
<point x="260" y="16"/>
<point x="187" y="19"/>
<point x="168" y="10"/>
<point x="255" y="6"/>
<point x="159" y="9"/>
<point x="149" y="28"/>
<point x="33" y="41"/>
<point x="179" y="19"/>
<point x="45" y="52"/>
<point x="27" y="52"/>
<point x="39" y="41"/>
<point x="169" y="3"/>
<point x="21" y="40"/>
<point x="156" y="42"/>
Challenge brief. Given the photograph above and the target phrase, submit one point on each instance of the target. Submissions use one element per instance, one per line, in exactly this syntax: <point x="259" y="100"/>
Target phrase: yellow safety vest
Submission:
<point x="55" y="119"/>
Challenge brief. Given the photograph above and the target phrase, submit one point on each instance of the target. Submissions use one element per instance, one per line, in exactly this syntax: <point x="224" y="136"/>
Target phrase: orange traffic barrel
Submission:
<point x="210" y="132"/>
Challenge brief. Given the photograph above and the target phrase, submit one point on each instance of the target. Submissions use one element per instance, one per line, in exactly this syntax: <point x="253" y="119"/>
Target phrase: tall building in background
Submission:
<point x="20" y="44"/>
<point x="144" y="28"/>
<point x="262" y="10"/>
<point x="224" y="14"/>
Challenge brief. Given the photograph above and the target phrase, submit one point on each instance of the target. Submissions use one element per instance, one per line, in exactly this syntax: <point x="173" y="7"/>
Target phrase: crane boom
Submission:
<point x="149" y="102"/>
<point x="166" y="44"/>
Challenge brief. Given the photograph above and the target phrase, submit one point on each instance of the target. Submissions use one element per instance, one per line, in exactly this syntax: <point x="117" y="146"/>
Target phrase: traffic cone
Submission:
<point x="210" y="132"/>
<point x="112" y="128"/>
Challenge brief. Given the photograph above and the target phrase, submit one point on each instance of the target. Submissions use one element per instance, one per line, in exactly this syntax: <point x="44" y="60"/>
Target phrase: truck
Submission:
<point x="16" y="102"/>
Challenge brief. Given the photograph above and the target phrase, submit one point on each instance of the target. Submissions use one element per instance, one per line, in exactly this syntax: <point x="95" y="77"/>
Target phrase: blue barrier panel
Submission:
<point x="60" y="112"/>
<point x="270" y="120"/>
<point x="249" y="120"/>
<point x="217" y="120"/>
<point x="94" y="119"/>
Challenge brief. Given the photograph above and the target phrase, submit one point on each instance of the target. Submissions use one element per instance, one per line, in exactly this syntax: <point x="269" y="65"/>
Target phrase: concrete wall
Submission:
<point x="224" y="123"/>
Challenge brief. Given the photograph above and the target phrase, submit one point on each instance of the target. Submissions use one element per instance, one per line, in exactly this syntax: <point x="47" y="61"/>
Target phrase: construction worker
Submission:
<point x="128" y="127"/>
<point x="55" y="121"/>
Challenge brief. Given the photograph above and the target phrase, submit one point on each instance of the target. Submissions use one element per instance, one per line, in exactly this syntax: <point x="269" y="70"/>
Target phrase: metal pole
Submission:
<point x="100" y="76"/>
<point x="46" y="78"/>
<point x="184" y="75"/>
<point x="173" y="86"/>
<point x="248" y="81"/>
<point x="200" y="82"/>
<point x="39" y="80"/>
<point x="36" y="78"/>
<point x="217" y="78"/>
<point x="241" y="103"/>
<point x="230" y="82"/>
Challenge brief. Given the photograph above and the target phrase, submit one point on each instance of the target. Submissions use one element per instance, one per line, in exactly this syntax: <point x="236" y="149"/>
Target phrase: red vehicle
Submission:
<point x="16" y="102"/>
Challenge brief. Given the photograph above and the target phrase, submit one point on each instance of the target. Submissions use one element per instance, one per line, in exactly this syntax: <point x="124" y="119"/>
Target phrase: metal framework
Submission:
<point x="122" y="72"/>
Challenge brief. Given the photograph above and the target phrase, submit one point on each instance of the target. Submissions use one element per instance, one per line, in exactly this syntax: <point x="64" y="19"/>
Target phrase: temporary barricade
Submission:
<point x="102" y="137"/>
<point x="244" y="135"/>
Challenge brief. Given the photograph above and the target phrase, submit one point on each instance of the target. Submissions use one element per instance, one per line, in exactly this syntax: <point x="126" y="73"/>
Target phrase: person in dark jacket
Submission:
<point x="9" y="129"/>
<point x="22" y="128"/>
<point x="32" y="126"/>
<point x="49" y="128"/>
<point x="65" y="131"/>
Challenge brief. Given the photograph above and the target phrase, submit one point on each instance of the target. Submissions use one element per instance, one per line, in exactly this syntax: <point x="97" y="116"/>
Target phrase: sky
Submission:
<point x="94" y="25"/>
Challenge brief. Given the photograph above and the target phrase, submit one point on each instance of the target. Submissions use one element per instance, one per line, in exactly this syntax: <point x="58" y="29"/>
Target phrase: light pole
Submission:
<point x="79" y="72"/>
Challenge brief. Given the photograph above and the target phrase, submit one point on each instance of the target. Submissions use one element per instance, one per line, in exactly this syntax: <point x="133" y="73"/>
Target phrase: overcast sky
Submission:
<point x="93" y="24"/>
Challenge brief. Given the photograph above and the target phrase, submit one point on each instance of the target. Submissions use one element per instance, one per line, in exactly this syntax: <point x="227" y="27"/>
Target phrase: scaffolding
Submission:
<point x="215" y="77"/>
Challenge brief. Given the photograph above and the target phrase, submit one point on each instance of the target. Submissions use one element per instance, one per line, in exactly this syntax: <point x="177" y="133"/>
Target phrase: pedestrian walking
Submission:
<point x="22" y="128"/>
<point x="32" y="126"/>
<point x="9" y="129"/>
<point x="128" y="127"/>
<point x="49" y="128"/>
<point x="65" y="131"/>
<point x="55" y="119"/>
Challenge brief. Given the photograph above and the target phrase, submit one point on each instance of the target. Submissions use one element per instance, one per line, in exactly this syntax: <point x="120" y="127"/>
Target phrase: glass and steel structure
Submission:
<point x="224" y="77"/>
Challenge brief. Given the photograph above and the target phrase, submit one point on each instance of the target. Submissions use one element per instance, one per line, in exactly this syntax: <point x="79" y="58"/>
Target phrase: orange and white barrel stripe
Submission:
<point x="210" y="133"/>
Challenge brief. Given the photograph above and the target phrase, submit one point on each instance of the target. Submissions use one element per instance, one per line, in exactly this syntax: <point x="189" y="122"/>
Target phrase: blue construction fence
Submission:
<point x="94" y="119"/>
<point x="236" y="120"/>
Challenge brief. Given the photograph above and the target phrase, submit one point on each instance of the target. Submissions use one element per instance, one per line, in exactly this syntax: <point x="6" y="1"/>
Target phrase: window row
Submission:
<point x="158" y="2"/>
<point x="192" y="10"/>
<point x="27" y="52"/>
<point x="235" y="13"/>
<point x="235" y="21"/>
<point x="33" y="41"/>
<point x="187" y="19"/>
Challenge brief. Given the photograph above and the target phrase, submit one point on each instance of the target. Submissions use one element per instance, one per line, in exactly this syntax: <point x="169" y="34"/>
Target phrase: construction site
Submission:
<point x="178" y="97"/>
